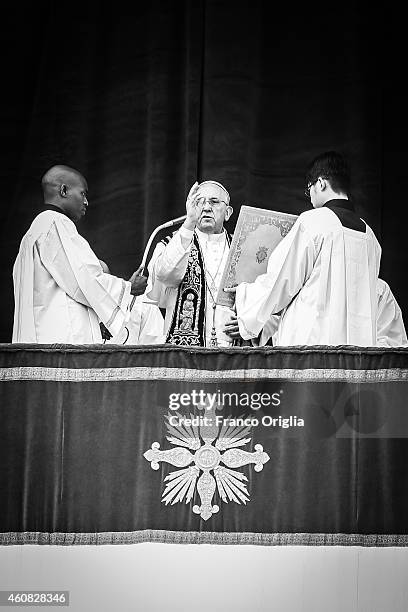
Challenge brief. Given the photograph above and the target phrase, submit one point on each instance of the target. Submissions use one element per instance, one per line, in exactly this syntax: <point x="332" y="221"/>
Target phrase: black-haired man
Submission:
<point x="322" y="277"/>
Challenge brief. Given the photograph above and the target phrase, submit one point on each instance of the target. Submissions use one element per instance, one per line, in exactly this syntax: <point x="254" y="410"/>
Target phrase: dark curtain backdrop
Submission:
<point x="145" y="102"/>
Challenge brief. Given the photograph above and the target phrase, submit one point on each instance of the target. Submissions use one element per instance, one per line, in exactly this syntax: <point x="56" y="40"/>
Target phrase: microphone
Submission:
<point x="170" y="223"/>
<point x="155" y="232"/>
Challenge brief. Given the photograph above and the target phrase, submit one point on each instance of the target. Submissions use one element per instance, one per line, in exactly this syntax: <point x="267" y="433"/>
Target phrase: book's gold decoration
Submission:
<point x="257" y="233"/>
<point x="261" y="254"/>
<point x="212" y="445"/>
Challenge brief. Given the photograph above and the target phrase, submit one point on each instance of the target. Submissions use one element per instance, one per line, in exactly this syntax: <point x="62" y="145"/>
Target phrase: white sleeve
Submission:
<point x="289" y="267"/>
<point x="390" y="325"/>
<point x="171" y="264"/>
<point x="145" y="325"/>
<point x="152" y="325"/>
<point x="269" y="330"/>
<point x="76" y="269"/>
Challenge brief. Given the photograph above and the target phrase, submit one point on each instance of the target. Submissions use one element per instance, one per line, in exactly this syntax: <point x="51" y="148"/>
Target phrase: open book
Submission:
<point x="257" y="233"/>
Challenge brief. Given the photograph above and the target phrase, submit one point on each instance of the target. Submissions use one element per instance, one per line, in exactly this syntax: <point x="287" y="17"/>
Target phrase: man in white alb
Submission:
<point x="60" y="289"/>
<point x="185" y="271"/>
<point x="322" y="277"/>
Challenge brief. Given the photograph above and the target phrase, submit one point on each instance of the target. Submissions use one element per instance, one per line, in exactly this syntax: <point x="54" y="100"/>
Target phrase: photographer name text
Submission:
<point x="266" y="421"/>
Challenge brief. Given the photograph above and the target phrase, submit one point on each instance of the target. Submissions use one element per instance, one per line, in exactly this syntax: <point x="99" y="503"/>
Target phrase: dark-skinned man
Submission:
<point x="61" y="291"/>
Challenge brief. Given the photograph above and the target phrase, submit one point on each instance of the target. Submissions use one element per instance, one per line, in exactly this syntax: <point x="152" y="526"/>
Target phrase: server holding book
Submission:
<point x="322" y="277"/>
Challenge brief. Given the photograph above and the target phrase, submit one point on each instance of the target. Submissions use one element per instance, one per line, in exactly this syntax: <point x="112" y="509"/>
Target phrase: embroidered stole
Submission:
<point x="187" y="326"/>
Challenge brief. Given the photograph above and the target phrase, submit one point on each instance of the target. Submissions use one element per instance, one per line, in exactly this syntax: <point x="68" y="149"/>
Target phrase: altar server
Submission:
<point x="186" y="269"/>
<point x="323" y="274"/>
<point x="60" y="289"/>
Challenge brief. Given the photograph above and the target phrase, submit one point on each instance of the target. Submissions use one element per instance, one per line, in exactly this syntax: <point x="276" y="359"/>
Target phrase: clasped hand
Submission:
<point x="231" y="327"/>
<point x="138" y="282"/>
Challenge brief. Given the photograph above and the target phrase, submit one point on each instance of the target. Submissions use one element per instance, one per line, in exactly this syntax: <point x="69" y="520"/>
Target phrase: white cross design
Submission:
<point x="206" y="457"/>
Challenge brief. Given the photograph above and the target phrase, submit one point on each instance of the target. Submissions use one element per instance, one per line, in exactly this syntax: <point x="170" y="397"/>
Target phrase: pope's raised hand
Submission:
<point x="193" y="208"/>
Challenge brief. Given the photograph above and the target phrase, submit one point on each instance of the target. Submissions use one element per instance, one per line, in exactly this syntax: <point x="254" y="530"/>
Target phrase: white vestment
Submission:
<point x="390" y="325"/>
<point x="168" y="266"/>
<point x="60" y="290"/>
<point x="323" y="276"/>
<point x="145" y="325"/>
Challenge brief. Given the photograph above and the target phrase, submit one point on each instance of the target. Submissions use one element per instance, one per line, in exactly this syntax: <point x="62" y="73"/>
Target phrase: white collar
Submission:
<point x="204" y="237"/>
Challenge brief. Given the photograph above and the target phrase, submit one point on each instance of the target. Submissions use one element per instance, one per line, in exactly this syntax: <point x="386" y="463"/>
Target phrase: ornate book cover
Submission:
<point x="257" y="233"/>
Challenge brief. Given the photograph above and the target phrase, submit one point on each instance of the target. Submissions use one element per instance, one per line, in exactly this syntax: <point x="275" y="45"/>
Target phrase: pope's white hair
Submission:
<point x="218" y="185"/>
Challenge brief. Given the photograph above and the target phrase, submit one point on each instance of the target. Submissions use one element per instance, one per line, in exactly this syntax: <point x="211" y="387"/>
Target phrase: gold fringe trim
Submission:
<point x="194" y="537"/>
<point x="194" y="375"/>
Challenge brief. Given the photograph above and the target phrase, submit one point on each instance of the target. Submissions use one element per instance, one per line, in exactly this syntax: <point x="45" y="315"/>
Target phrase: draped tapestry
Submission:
<point x="110" y="445"/>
